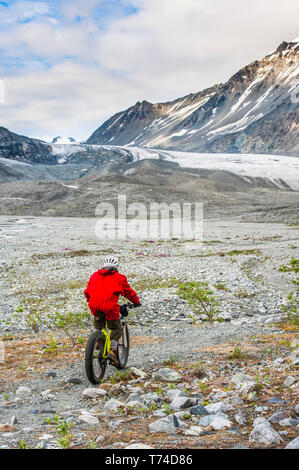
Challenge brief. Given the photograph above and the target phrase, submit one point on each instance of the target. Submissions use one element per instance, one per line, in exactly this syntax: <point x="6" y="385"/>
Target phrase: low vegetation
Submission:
<point x="201" y="298"/>
<point x="292" y="306"/>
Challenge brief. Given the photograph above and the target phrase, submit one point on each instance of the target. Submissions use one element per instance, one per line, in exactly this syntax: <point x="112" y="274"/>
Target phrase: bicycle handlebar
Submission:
<point x="130" y="305"/>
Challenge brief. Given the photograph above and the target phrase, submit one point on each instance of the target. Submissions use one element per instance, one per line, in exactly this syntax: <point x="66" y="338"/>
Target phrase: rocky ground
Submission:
<point x="190" y="383"/>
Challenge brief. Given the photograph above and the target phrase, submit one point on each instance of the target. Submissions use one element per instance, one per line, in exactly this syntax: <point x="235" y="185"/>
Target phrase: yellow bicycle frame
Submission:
<point x="107" y="345"/>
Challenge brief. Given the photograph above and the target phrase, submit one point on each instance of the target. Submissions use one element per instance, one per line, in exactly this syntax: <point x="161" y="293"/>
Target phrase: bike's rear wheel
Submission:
<point x="123" y="347"/>
<point x="95" y="364"/>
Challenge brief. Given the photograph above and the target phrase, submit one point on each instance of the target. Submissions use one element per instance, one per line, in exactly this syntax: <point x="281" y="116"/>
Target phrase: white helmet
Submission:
<point x="111" y="261"/>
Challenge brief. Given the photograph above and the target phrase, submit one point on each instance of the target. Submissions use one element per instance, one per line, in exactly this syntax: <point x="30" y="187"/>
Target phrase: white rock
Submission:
<point x="217" y="421"/>
<point x="288" y="422"/>
<point x="190" y="432"/>
<point x="240" y="379"/>
<point x="13" y="420"/>
<point x="139" y="446"/>
<point x="170" y="425"/>
<point x="24" y="392"/>
<point x="240" y="418"/>
<point x="136" y="405"/>
<point x="28" y="430"/>
<point x="94" y="393"/>
<point x="243" y="382"/>
<point x="294" y="444"/>
<point x="214" y="408"/>
<point x="248" y="389"/>
<point x="167" y="375"/>
<point x="174" y="393"/>
<point x="290" y="380"/>
<point x="46" y="437"/>
<point x="47" y="394"/>
<point x="113" y="405"/>
<point x="194" y="431"/>
<point x="261" y="420"/>
<point x="264" y="434"/>
<point x="277" y="417"/>
<point x="138" y="372"/>
<point x="89" y="419"/>
<point x="183" y="414"/>
<point x="181" y="403"/>
<point x="114" y="424"/>
<point x="279" y="361"/>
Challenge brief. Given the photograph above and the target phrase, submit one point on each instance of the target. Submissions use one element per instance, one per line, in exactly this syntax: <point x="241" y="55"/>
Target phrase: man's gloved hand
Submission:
<point x="124" y="311"/>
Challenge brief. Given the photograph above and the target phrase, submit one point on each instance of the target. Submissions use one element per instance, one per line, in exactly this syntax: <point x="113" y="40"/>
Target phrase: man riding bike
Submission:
<point x="102" y="294"/>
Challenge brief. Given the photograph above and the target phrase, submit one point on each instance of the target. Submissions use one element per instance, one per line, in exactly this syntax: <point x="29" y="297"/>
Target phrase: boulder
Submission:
<point x="136" y="405"/>
<point x="198" y="410"/>
<point x="94" y="392"/>
<point x="171" y="394"/>
<point x="217" y="421"/>
<point x="276" y="417"/>
<point x="294" y="444"/>
<point x="263" y="433"/>
<point x="194" y="431"/>
<point x="181" y="403"/>
<point x="169" y="425"/>
<point x="113" y="405"/>
<point x="219" y="406"/>
<point x="138" y="373"/>
<point x="89" y="419"/>
<point x="167" y="375"/>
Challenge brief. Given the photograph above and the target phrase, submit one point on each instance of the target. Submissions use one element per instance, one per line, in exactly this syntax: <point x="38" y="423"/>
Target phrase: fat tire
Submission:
<point x="89" y="358"/>
<point x="123" y="359"/>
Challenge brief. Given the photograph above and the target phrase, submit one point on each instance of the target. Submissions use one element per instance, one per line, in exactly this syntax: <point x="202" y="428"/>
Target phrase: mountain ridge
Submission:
<point x="18" y="147"/>
<point x="221" y="118"/>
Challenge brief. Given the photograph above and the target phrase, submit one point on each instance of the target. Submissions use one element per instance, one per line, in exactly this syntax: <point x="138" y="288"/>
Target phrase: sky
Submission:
<point x="67" y="66"/>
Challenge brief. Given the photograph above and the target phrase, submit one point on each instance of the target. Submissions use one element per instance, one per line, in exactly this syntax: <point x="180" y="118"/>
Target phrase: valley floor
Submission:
<point x="245" y="364"/>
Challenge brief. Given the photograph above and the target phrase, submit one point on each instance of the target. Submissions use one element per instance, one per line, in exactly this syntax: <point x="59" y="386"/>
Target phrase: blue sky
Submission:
<point x="68" y="65"/>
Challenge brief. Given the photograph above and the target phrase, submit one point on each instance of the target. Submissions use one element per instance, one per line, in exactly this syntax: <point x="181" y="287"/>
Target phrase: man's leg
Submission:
<point x="115" y="327"/>
<point x="97" y="323"/>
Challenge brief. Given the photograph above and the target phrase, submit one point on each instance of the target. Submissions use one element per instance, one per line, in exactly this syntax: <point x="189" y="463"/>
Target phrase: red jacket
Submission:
<point x="103" y="290"/>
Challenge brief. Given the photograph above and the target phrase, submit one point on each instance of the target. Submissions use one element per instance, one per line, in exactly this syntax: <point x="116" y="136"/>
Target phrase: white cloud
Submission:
<point x="68" y="97"/>
<point x="167" y="49"/>
<point x="71" y="9"/>
<point x="22" y="11"/>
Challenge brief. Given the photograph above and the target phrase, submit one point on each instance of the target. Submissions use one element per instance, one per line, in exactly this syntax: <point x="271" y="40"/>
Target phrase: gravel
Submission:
<point x="46" y="250"/>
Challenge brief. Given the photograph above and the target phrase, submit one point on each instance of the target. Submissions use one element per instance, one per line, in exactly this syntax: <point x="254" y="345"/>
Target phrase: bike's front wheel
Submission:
<point x="123" y="347"/>
<point x="95" y="364"/>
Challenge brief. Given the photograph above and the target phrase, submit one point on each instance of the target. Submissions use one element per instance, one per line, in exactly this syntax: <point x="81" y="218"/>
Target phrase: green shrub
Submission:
<point x="292" y="307"/>
<point x="293" y="266"/>
<point x="200" y="296"/>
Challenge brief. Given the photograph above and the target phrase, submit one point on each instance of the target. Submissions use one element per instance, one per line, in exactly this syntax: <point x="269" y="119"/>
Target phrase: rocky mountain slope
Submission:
<point x="256" y="111"/>
<point x="18" y="147"/>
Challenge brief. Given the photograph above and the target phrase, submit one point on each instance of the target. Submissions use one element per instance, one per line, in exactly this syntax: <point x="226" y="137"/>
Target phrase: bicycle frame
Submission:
<point x="107" y="333"/>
